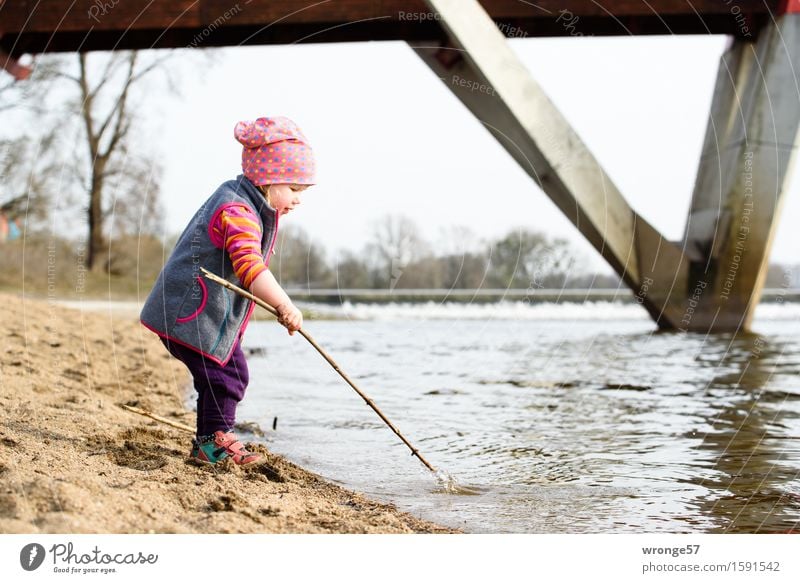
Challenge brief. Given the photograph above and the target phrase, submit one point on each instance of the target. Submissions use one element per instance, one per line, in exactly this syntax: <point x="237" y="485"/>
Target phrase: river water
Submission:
<point x="553" y="418"/>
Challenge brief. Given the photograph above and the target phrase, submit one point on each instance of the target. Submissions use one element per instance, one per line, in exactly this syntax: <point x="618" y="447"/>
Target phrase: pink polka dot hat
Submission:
<point x="275" y="151"/>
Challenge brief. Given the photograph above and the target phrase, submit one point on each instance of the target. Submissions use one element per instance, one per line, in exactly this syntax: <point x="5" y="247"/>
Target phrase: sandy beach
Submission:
<point x="72" y="460"/>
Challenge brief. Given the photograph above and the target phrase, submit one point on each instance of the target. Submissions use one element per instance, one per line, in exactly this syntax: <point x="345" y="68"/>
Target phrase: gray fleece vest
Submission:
<point x="185" y="307"/>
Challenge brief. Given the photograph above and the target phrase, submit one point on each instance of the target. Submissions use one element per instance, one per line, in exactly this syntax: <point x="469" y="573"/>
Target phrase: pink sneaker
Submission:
<point x="221" y="445"/>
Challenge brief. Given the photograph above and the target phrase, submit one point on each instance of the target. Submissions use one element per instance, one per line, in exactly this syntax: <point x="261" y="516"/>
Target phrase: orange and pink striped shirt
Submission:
<point x="239" y="230"/>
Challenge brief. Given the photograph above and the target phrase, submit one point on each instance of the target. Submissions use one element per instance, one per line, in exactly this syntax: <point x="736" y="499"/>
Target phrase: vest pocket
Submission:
<point x="196" y="293"/>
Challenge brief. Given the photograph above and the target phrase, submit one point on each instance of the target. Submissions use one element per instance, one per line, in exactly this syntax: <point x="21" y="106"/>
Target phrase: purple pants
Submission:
<point x="219" y="388"/>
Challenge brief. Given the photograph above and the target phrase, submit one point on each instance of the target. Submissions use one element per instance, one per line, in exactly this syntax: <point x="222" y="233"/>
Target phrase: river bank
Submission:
<point x="73" y="461"/>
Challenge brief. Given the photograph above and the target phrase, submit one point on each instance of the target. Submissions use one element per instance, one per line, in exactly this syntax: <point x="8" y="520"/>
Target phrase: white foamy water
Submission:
<point x="506" y="310"/>
<point x="600" y="310"/>
<point x="778" y="311"/>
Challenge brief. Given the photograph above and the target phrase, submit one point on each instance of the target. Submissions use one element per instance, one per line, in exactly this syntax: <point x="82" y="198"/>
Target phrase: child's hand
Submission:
<point x="290" y="316"/>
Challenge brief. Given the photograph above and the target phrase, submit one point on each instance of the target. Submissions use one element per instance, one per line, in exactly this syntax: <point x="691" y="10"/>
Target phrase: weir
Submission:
<point x="711" y="280"/>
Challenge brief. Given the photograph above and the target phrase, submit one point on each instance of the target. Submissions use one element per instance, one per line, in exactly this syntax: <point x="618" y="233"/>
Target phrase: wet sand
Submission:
<point x="72" y="460"/>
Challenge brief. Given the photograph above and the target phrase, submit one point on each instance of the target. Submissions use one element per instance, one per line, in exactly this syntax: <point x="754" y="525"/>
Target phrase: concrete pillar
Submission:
<point x="746" y="161"/>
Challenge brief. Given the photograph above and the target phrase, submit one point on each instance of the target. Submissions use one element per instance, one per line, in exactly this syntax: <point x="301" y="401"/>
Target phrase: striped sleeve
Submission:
<point x="240" y="230"/>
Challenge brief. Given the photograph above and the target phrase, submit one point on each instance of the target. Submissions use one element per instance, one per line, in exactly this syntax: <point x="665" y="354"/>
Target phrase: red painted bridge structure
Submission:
<point x="35" y="26"/>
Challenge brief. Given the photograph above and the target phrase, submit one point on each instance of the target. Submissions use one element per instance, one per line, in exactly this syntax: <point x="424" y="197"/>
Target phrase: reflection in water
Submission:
<point x="747" y="438"/>
<point x="554" y="426"/>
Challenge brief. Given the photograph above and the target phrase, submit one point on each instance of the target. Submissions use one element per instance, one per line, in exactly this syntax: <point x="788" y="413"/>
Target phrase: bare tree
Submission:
<point x="396" y="242"/>
<point x="26" y="179"/>
<point x="462" y="257"/>
<point x="31" y="168"/>
<point x="526" y="258"/>
<point x="30" y="91"/>
<point x="351" y="271"/>
<point x="300" y="260"/>
<point x="107" y="118"/>
<point x="75" y="119"/>
<point x="463" y="271"/>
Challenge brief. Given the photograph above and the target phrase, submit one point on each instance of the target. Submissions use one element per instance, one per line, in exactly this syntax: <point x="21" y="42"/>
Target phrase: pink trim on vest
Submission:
<point x="200" y="308"/>
<point x="247" y="318"/>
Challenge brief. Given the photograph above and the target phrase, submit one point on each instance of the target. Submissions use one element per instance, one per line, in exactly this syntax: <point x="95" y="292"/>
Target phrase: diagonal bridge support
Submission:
<point x="682" y="285"/>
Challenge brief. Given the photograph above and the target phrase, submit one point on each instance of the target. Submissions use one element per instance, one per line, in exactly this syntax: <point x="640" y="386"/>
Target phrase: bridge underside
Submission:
<point x="35" y="26"/>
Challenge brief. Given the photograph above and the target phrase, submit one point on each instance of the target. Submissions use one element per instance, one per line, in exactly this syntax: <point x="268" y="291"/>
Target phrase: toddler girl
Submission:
<point x="233" y="234"/>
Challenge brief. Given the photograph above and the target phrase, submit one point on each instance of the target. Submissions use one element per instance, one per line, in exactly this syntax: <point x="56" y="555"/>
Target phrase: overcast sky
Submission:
<point x="389" y="137"/>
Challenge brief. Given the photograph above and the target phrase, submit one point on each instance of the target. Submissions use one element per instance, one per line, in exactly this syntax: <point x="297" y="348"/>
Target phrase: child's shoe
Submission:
<point x="222" y="445"/>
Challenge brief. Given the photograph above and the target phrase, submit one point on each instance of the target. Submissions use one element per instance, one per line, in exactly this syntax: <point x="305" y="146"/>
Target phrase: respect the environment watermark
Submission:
<point x="101" y="8"/>
<point x="508" y="30"/>
<point x="570" y="22"/>
<point x="743" y="232"/>
<point x="208" y="30"/>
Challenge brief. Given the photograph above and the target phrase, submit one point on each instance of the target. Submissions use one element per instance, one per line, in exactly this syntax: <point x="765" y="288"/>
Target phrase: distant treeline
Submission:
<point x="395" y="256"/>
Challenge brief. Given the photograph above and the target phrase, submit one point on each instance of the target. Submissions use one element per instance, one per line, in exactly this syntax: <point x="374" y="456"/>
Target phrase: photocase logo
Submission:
<point x="31" y="556"/>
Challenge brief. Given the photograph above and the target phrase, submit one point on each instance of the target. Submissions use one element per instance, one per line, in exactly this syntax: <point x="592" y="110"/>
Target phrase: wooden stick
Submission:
<point x="159" y="418"/>
<point x="367" y="400"/>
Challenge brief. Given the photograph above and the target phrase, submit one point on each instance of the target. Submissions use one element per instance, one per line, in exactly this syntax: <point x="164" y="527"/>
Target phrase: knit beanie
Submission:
<point x="275" y="151"/>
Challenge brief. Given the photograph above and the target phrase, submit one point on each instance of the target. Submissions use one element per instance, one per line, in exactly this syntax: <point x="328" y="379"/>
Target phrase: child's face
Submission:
<point x="284" y="197"/>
